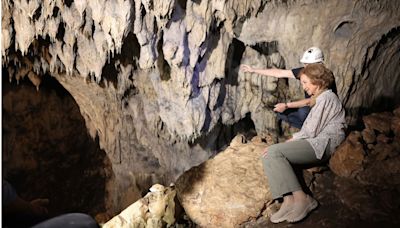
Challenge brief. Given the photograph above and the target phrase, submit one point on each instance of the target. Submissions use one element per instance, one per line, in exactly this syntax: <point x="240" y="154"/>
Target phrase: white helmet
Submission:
<point x="312" y="55"/>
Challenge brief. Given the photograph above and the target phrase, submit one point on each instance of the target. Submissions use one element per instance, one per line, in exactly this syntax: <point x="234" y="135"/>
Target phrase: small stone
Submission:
<point x="368" y="135"/>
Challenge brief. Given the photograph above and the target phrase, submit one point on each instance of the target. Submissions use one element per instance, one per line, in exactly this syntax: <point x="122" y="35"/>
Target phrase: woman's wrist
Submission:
<point x="286" y="105"/>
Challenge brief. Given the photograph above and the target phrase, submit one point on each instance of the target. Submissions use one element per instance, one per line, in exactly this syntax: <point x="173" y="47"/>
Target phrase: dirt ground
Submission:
<point x="333" y="212"/>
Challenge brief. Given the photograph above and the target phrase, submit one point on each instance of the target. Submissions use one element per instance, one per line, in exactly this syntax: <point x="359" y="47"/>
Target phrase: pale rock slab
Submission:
<point x="155" y="210"/>
<point x="227" y="190"/>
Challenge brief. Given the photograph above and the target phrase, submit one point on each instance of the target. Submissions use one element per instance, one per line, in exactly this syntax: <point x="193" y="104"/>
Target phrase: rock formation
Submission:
<point x="368" y="179"/>
<point x="155" y="209"/>
<point x="158" y="83"/>
<point x="371" y="159"/>
<point x="227" y="190"/>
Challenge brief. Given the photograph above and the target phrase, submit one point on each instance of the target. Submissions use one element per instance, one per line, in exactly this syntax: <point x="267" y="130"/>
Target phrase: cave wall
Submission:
<point x="158" y="83"/>
<point x="360" y="40"/>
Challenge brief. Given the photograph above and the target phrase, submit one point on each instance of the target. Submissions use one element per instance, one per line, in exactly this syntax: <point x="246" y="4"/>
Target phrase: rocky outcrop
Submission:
<point x="155" y="210"/>
<point x="372" y="155"/>
<point x="348" y="159"/>
<point x="227" y="190"/>
<point x="367" y="165"/>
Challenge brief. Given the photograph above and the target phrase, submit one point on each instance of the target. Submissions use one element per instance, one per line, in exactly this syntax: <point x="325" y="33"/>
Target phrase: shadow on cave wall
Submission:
<point x="47" y="151"/>
<point x="377" y="88"/>
<point x="221" y="135"/>
<point x="218" y="138"/>
<point x="380" y="104"/>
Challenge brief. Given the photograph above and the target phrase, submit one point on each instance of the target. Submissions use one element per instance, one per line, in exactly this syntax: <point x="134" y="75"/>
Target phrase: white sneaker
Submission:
<point x="281" y="215"/>
<point x="300" y="210"/>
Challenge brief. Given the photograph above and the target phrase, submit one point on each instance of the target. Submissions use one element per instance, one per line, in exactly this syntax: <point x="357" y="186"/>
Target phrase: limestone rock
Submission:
<point x="379" y="121"/>
<point x="382" y="152"/>
<point x="375" y="164"/>
<point x="396" y="112"/>
<point x="155" y="210"/>
<point x="348" y="159"/>
<point x="381" y="138"/>
<point x="228" y="189"/>
<point x="396" y="125"/>
<point x="368" y="135"/>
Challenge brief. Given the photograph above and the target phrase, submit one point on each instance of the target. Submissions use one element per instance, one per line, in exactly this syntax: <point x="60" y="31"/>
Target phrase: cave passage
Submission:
<point x="47" y="152"/>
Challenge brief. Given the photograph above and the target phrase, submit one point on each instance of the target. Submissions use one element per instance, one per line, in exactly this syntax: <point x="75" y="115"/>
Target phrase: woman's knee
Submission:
<point x="273" y="151"/>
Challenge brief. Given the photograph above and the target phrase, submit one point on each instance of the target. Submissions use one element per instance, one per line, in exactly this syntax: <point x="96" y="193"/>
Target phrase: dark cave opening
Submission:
<point x="129" y="55"/>
<point x="47" y="151"/>
<point x="221" y="135"/>
<point x="234" y="56"/>
<point x="163" y="67"/>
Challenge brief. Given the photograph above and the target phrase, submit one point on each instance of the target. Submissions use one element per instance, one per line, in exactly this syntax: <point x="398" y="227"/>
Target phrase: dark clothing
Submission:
<point x="71" y="220"/>
<point x="296" y="72"/>
<point x="9" y="194"/>
<point x="22" y="219"/>
<point x="295" y="116"/>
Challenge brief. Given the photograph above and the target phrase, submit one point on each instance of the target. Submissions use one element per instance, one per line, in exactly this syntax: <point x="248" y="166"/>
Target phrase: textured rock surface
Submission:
<point x="357" y="39"/>
<point x="368" y="161"/>
<point x="157" y="81"/>
<point x="155" y="209"/>
<point x="348" y="159"/>
<point x="368" y="196"/>
<point x="227" y="190"/>
<point x="378" y="121"/>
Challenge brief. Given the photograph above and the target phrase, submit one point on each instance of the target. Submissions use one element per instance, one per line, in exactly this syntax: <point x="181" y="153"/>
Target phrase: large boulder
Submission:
<point x="227" y="190"/>
<point x="379" y="121"/>
<point x="348" y="159"/>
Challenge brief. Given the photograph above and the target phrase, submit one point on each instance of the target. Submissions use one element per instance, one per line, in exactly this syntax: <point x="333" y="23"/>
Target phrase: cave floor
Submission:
<point x="331" y="212"/>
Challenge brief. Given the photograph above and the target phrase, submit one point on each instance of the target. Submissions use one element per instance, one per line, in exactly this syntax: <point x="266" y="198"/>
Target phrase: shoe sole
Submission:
<point x="308" y="209"/>
<point x="281" y="219"/>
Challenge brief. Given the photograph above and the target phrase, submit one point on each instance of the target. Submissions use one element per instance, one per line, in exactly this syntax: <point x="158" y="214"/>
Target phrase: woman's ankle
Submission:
<point x="288" y="200"/>
<point x="299" y="196"/>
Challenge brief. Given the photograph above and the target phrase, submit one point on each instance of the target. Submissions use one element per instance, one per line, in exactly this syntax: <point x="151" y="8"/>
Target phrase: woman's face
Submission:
<point x="310" y="88"/>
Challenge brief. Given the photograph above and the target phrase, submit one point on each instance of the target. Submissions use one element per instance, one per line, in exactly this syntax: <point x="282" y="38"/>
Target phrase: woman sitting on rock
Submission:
<point x="322" y="132"/>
